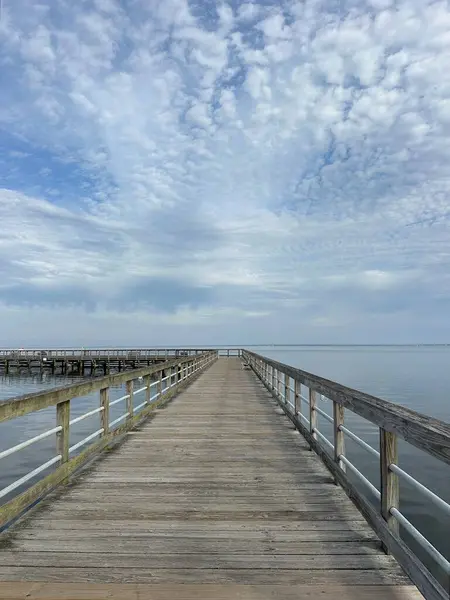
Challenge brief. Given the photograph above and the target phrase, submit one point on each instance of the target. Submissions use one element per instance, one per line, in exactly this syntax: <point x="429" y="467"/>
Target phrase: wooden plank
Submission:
<point x="193" y="514"/>
<point x="347" y="577"/>
<point x="90" y="591"/>
<point x="275" y="529"/>
<point x="176" y="539"/>
<point x="94" y="560"/>
<point x="150" y="546"/>
<point x="202" y="504"/>
<point x="208" y="477"/>
<point x="195" y="493"/>
<point x="209" y="485"/>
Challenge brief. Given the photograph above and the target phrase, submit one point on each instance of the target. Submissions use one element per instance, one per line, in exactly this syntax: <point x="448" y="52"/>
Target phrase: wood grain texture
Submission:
<point x="339" y="438"/>
<point x="63" y="436"/>
<point x="104" y="415"/>
<point x="218" y="489"/>
<point x="90" y="591"/>
<point x="390" y="485"/>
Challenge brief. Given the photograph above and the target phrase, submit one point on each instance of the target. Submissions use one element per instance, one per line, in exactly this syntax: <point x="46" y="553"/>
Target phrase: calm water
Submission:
<point x="416" y="377"/>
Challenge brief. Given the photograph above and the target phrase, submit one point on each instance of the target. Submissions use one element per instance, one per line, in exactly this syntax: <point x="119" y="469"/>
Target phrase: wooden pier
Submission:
<point x="85" y="361"/>
<point x="216" y="497"/>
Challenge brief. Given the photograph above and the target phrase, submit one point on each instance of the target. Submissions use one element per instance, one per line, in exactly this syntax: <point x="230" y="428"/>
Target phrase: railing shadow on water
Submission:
<point x="115" y="404"/>
<point x="320" y="410"/>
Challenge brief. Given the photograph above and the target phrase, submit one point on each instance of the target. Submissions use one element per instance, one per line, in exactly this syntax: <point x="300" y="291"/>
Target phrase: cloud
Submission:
<point x="233" y="168"/>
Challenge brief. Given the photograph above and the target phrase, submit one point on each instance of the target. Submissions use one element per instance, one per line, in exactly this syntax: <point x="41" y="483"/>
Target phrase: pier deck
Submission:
<point x="217" y="497"/>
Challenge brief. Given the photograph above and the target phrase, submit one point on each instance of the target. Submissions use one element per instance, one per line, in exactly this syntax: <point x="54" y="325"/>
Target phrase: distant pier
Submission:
<point x="86" y="361"/>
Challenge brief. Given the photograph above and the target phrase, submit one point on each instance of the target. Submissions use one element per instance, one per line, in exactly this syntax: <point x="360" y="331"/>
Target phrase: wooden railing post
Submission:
<point x="159" y="387"/>
<point x="388" y="480"/>
<point x="312" y="413"/>
<point x="148" y="389"/>
<point x="339" y="439"/>
<point x="286" y="388"/>
<point x="104" y="415"/>
<point x="63" y="436"/>
<point x="297" y="399"/>
<point x="273" y="379"/>
<point x="130" y="391"/>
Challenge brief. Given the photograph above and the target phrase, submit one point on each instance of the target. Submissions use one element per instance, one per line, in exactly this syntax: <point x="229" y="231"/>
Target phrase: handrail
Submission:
<point x="426" y="433"/>
<point x="176" y="372"/>
<point x="394" y="421"/>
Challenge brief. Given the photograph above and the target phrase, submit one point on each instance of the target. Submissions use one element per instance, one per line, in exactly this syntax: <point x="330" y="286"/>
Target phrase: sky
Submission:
<point x="178" y="172"/>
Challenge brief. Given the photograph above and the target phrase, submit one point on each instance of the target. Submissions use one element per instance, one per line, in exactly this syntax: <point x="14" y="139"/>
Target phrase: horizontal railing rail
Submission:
<point x="393" y="421"/>
<point x="160" y="382"/>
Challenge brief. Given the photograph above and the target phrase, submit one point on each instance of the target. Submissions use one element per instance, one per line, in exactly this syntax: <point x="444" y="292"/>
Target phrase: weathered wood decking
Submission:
<point x="218" y="491"/>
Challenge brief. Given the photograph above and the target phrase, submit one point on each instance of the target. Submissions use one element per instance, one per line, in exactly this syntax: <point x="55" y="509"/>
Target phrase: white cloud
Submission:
<point x="254" y="157"/>
<point x="248" y="11"/>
